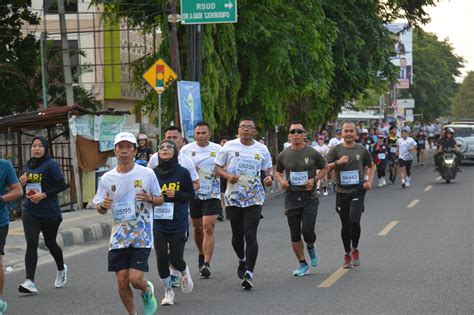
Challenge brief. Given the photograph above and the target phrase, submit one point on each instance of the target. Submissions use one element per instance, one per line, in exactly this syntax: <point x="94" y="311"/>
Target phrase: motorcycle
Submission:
<point x="449" y="161"/>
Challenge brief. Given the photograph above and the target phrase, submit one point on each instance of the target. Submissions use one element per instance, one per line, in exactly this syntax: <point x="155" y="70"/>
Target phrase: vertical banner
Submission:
<point x="404" y="53"/>
<point x="190" y="112"/>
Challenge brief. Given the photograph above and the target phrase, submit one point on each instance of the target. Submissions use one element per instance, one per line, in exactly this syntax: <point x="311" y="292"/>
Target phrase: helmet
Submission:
<point x="449" y="130"/>
<point x="142" y="136"/>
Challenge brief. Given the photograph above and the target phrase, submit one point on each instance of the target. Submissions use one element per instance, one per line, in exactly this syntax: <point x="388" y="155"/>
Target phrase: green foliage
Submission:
<point x="463" y="101"/>
<point x="435" y="68"/>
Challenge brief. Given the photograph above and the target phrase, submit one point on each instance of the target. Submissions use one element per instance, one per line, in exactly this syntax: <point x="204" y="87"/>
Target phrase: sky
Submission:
<point x="454" y="20"/>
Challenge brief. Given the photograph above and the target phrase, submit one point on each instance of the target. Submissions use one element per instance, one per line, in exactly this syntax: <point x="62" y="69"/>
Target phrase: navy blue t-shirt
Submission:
<point x="47" y="176"/>
<point x="181" y="182"/>
<point x="7" y="178"/>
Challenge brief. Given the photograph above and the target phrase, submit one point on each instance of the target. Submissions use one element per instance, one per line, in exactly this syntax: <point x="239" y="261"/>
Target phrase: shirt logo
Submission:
<point x="193" y="153"/>
<point x="306" y="160"/>
<point x="236" y="153"/>
<point x="257" y="156"/>
<point x="137" y="183"/>
<point x="357" y="156"/>
<point x="113" y="188"/>
<point x="213" y="154"/>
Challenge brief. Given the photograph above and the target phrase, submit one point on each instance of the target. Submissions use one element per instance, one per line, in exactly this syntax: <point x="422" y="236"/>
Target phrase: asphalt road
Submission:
<point x="424" y="264"/>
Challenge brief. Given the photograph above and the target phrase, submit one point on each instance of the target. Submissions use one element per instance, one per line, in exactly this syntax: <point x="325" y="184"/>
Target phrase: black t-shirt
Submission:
<point x="447" y="143"/>
<point x="144" y="154"/>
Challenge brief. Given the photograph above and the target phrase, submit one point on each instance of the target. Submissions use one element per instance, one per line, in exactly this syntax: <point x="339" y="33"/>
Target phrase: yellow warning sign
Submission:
<point x="160" y="76"/>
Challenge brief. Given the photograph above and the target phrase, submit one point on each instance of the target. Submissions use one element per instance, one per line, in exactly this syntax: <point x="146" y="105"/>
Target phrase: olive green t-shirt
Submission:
<point x="350" y="176"/>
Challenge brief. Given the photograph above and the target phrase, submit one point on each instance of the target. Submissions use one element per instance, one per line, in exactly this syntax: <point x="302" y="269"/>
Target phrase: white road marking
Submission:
<point x="428" y="188"/>
<point x="438" y="178"/>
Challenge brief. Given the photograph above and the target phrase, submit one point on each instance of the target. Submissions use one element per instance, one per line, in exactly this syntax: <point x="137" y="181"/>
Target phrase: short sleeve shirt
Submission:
<point x="350" y="176"/>
<point x="246" y="161"/>
<point x="132" y="231"/>
<point x="405" y="145"/>
<point x="203" y="159"/>
<point x="7" y="178"/>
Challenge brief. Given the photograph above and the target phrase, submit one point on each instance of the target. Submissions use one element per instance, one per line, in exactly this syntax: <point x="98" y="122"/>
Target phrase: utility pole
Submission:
<point x="43" y="69"/>
<point x="66" y="55"/>
<point x="175" y="64"/>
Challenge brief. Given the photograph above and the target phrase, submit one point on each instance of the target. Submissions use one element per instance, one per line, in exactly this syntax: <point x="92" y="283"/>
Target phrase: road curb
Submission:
<point x="79" y="235"/>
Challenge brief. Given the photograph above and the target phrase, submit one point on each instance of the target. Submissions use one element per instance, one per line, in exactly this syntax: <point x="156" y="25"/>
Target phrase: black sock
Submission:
<point x="303" y="262"/>
<point x="201" y="259"/>
<point x="309" y="248"/>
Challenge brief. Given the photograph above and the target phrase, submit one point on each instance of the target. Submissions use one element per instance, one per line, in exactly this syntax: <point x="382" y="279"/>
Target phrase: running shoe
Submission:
<point x="384" y="181"/>
<point x="407" y="184"/>
<point x="241" y="269"/>
<point x="313" y="255"/>
<point x="205" y="271"/>
<point x="325" y="191"/>
<point x="380" y="183"/>
<point x="302" y="269"/>
<point x="169" y="297"/>
<point x="175" y="281"/>
<point x="247" y="284"/>
<point x="149" y="301"/>
<point x="187" y="284"/>
<point x="200" y="262"/>
<point x="347" y="262"/>
<point x="27" y="286"/>
<point x="355" y="257"/>
<point x="61" y="278"/>
<point x="3" y="306"/>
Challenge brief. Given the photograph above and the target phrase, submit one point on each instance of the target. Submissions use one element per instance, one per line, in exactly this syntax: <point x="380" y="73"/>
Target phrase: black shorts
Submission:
<point x="199" y="208"/>
<point x="3" y="238"/>
<point x="352" y="202"/>
<point x="405" y="163"/>
<point x="129" y="258"/>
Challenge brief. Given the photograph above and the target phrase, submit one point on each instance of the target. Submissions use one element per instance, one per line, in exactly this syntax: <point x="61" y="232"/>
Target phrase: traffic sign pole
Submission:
<point x="160" y="113"/>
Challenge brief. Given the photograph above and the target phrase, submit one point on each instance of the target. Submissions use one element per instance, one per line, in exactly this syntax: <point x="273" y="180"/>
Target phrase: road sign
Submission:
<point x="160" y="76"/>
<point x="208" y="11"/>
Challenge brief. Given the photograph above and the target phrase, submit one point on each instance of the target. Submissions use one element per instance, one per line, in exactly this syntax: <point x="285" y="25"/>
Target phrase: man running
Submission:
<point x="405" y="146"/>
<point x="355" y="173"/>
<point x="300" y="163"/>
<point x="392" y="153"/>
<point x="8" y="179"/>
<point x="130" y="192"/>
<point x="205" y="207"/>
<point x="240" y="161"/>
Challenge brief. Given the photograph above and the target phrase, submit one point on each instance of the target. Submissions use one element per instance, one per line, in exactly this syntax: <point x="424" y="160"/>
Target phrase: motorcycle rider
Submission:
<point x="444" y="143"/>
<point x="144" y="151"/>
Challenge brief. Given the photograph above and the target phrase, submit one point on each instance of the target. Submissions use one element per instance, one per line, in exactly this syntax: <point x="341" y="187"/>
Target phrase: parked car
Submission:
<point x="464" y="135"/>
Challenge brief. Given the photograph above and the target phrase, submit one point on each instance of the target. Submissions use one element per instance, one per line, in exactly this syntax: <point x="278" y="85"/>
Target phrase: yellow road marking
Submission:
<point x="333" y="278"/>
<point x="413" y="203"/>
<point x="428" y="188"/>
<point x="388" y="228"/>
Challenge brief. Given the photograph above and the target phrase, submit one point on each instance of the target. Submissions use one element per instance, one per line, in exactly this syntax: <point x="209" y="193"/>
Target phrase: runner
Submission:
<point x="323" y="149"/>
<point x="222" y="141"/>
<point x="420" y="138"/>
<point x="171" y="224"/>
<point x="8" y="180"/>
<point x="43" y="180"/>
<point x="392" y="154"/>
<point x="380" y="158"/>
<point x="205" y="207"/>
<point x="300" y="162"/>
<point x="336" y="140"/>
<point x="130" y="191"/>
<point x="144" y="151"/>
<point x="240" y="161"/>
<point x="355" y="173"/>
<point x="406" y="145"/>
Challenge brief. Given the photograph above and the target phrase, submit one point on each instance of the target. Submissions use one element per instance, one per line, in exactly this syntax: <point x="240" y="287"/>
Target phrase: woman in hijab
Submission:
<point x="42" y="180"/>
<point x="171" y="219"/>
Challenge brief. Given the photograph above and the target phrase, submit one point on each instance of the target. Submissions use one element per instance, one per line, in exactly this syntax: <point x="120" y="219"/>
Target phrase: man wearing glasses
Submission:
<point x="240" y="162"/>
<point x="300" y="163"/>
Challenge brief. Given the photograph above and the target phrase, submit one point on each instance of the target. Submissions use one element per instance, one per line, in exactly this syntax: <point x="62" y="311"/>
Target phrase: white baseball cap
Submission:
<point x="125" y="136"/>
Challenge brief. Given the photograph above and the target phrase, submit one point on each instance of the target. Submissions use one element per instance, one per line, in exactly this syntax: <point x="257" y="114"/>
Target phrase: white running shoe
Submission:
<point x="380" y="183"/>
<point x="169" y="297"/>
<point x="61" y="278"/>
<point x="187" y="284"/>
<point x="27" y="286"/>
<point x="325" y="191"/>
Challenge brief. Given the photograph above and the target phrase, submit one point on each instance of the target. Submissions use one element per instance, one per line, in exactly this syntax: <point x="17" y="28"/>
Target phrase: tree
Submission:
<point x="463" y="101"/>
<point x="435" y="68"/>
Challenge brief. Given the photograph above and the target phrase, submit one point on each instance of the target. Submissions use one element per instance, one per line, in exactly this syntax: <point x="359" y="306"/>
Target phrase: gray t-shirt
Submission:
<point x="299" y="166"/>
<point x="350" y="176"/>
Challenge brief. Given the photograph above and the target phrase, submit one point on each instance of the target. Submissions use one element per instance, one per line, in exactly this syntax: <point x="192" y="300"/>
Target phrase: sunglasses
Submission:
<point x="297" y="131"/>
<point x="165" y="147"/>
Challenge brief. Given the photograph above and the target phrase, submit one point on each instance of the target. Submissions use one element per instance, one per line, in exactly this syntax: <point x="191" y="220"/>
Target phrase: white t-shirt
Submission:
<point x="183" y="160"/>
<point x="133" y="220"/>
<point x="323" y="149"/>
<point x="203" y="159"/>
<point x="246" y="161"/>
<point x="335" y="141"/>
<point x="404" y="147"/>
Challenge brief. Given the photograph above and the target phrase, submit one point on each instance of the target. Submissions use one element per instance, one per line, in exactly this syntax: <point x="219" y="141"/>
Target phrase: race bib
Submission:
<point x="33" y="188"/>
<point x="350" y="177"/>
<point x="205" y="187"/>
<point x="421" y="141"/>
<point x="381" y="156"/>
<point x="298" y="178"/>
<point x="247" y="167"/>
<point x="406" y="156"/>
<point x="393" y="149"/>
<point x="164" y="212"/>
<point x="124" y="211"/>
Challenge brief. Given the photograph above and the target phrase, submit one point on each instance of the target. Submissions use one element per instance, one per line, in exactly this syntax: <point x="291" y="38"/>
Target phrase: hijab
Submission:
<point x="166" y="168"/>
<point x="36" y="162"/>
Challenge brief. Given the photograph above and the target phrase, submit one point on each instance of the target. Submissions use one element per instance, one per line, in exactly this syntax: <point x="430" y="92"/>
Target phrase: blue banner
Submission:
<point x="190" y="111"/>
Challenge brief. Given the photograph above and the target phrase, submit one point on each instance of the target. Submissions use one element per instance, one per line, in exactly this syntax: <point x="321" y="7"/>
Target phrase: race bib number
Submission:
<point x="124" y="211"/>
<point x="246" y="167"/>
<point x="33" y="188"/>
<point x="407" y="156"/>
<point x="205" y="187"/>
<point x="350" y="177"/>
<point x="421" y="141"/>
<point x="164" y="212"/>
<point x="393" y="149"/>
<point x="298" y="178"/>
<point x="381" y="156"/>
